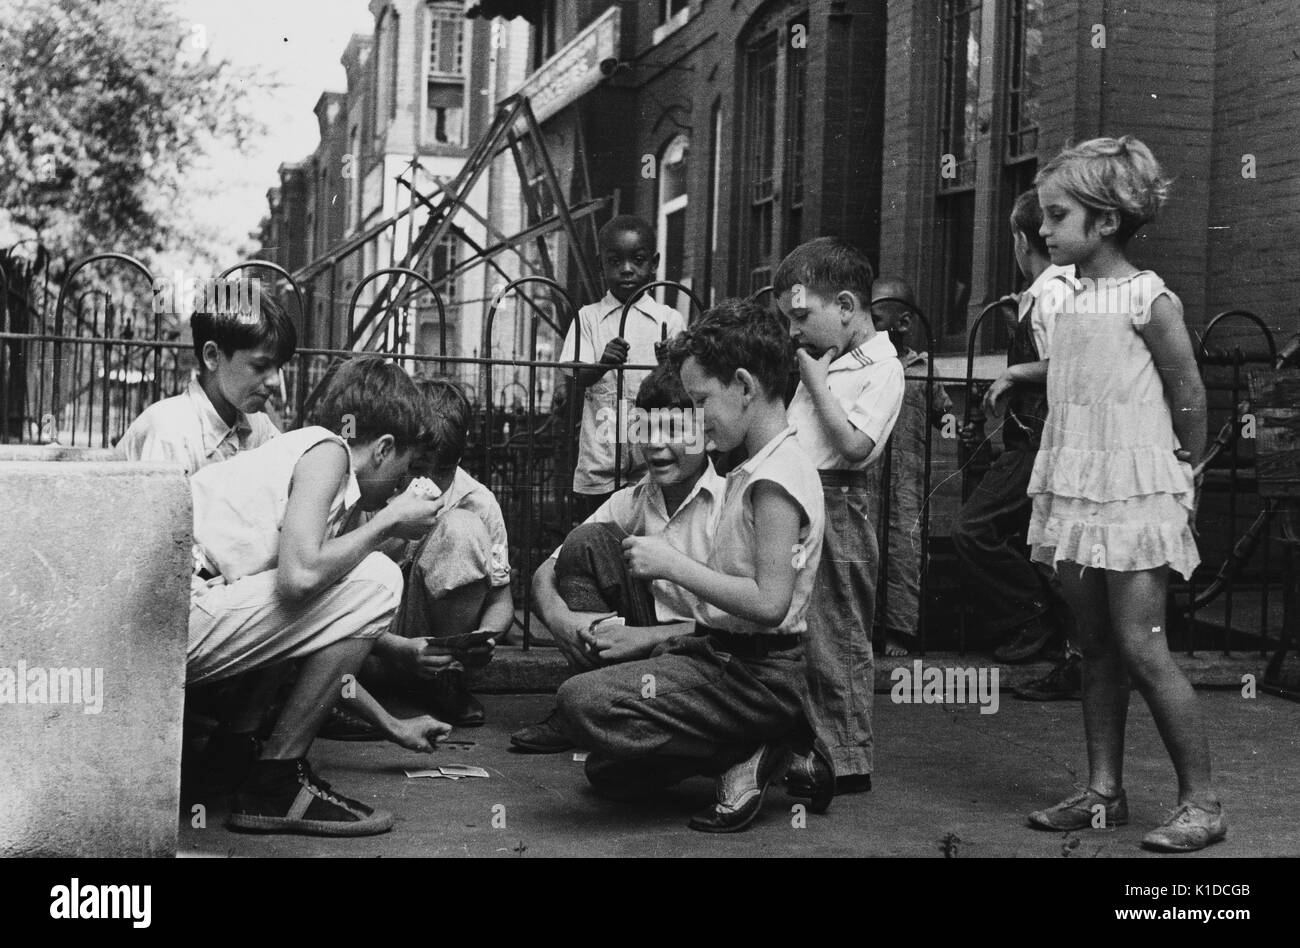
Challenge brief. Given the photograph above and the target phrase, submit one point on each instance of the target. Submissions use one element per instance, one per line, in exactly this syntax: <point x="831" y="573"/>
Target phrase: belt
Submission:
<point x="844" y="478"/>
<point x="751" y="646"/>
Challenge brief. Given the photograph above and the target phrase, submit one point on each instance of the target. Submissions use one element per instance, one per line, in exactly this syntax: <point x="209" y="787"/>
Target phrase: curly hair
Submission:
<point x="1111" y="174"/>
<point x="738" y="334"/>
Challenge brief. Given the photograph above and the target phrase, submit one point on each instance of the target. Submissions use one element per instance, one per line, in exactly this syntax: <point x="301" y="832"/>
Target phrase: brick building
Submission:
<point x="908" y="127"/>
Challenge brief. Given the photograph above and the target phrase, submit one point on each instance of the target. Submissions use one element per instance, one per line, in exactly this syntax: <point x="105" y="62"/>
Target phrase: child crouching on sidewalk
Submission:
<point x="728" y="700"/>
<point x="275" y="581"/>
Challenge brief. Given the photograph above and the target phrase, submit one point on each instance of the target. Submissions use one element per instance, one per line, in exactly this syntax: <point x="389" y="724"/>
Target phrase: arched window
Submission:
<point x="674" y="263"/>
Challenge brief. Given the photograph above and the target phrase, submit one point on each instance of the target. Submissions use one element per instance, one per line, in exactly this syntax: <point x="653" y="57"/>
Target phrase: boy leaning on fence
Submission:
<point x="222" y="410"/>
<point x="628" y="262"/>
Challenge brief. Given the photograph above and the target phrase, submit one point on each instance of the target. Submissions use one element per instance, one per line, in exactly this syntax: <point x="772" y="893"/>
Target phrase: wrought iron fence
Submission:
<point x="77" y="371"/>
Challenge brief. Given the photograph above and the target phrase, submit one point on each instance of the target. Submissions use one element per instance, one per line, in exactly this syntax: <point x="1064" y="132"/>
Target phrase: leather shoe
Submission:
<point x="849" y="783"/>
<point x="544" y="737"/>
<point x="741" y="790"/>
<point x="814" y="777"/>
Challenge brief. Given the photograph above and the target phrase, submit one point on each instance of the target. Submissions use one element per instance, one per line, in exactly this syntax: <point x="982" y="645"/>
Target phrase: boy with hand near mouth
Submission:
<point x="849" y="396"/>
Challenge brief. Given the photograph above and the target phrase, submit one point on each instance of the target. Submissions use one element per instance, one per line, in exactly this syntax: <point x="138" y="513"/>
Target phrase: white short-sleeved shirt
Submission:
<point x="239" y="504"/>
<point x="868" y="384"/>
<point x="466" y="493"/>
<point x="597" y="324"/>
<point x="784" y="463"/>
<point x="640" y="511"/>
<point x="187" y="429"/>
<point x="1044" y="300"/>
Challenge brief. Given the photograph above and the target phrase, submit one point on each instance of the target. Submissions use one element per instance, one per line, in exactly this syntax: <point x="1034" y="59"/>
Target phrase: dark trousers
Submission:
<point x="691" y="708"/>
<point x="999" y="581"/>
<point x="591" y="575"/>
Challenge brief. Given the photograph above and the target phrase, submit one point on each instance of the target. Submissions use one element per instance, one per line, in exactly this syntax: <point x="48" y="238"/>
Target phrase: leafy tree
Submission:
<point x="104" y="106"/>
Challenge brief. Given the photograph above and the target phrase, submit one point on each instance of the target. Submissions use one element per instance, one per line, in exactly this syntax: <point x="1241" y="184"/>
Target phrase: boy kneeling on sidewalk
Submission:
<point x="275" y="581"/>
<point x="728" y="699"/>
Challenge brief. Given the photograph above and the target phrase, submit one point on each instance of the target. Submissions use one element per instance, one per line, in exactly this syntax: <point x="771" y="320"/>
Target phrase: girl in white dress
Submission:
<point x="1113" y="485"/>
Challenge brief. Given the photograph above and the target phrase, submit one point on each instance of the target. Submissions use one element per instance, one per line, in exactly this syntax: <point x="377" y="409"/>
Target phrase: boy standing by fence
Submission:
<point x="849" y="396"/>
<point x="628" y="262"/>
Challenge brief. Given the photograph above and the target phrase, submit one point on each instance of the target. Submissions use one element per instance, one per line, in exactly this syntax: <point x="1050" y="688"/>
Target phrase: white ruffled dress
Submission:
<point x="1107" y="490"/>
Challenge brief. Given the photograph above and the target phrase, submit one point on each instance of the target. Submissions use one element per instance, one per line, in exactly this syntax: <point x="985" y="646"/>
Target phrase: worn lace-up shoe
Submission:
<point x="1076" y="812"/>
<point x="741" y="790"/>
<point x="1191" y="827"/>
<point x="284" y="796"/>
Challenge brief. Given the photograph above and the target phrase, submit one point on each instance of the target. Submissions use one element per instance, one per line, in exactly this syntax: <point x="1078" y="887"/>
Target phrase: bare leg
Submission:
<point x="1137" y="609"/>
<point x="252" y="694"/>
<point x="1105" y="685"/>
<point x="319" y="686"/>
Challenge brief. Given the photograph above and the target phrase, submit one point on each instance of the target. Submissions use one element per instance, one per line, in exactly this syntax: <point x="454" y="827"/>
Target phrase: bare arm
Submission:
<point x="764" y="598"/>
<point x="310" y="560"/>
<point x="1171" y="349"/>
<point x="564" y="624"/>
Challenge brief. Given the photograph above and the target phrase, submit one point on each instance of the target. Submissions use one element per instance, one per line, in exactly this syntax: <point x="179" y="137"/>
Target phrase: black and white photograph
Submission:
<point x="734" y="429"/>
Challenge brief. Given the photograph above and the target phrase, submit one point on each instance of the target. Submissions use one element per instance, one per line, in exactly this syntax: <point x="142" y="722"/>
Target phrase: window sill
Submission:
<point x="665" y="30"/>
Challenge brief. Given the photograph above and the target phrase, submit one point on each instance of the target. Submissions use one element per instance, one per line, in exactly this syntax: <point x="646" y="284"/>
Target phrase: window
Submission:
<point x="673" y="198"/>
<point x="1023" y="44"/>
<point x="796" y="80"/>
<point x="715" y="176"/>
<point x="959" y="135"/>
<point x="671" y="8"/>
<point x="446" y="43"/>
<point x="545" y="34"/>
<point x="393" y="66"/>
<point x="960" y="58"/>
<point x="441" y="262"/>
<point x="759" y="158"/>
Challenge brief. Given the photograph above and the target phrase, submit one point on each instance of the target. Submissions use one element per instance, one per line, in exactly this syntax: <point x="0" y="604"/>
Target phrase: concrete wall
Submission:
<point x="94" y="568"/>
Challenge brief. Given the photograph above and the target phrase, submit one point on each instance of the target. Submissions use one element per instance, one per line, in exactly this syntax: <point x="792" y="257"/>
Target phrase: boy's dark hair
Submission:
<point x="1027" y="217"/>
<point x="234" y="331"/>
<point x="369" y="397"/>
<point x="447" y="416"/>
<point x="738" y="334"/>
<point x="663" y="388"/>
<point x="624" y="223"/>
<point x="826" y="266"/>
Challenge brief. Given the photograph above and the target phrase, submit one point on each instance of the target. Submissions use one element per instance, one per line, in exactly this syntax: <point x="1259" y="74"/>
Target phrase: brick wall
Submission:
<point x="1255" y="224"/>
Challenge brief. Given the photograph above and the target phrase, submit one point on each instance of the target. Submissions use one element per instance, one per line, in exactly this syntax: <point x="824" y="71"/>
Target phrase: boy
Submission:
<point x="1014" y="598"/>
<point x="221" y="412"/>
<point x="585" y="582"/>
<point x="728" y="700"/>
<point x="892" y="306"/>
<point x="275" y="581"/>
<point x="458" y="577"/>
<point x="628" y="262"/>
<point x="849" y="396"/>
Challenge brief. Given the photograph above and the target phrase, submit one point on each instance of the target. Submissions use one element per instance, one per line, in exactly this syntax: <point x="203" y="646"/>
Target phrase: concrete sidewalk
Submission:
<point x="947" y="778"/>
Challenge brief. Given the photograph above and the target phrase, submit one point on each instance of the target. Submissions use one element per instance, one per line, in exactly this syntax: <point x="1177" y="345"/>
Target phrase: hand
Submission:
<point x="616" y="352"/>
<point x="999" y="390"/>
<point x="478" y="655"/>
<point x="419" y="734"/>
<point x="571" y="640"/>
<point x="622" y="643"/>
<point x="968" y="435"/>
<point x="411" y="517"/>
<point x="649" y="557"/>
<point x="812" y="371"/>
<point x="427" y="658"/>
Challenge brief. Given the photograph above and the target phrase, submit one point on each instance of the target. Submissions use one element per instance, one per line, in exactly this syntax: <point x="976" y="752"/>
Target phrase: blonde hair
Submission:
<point x="1111" y="174"/>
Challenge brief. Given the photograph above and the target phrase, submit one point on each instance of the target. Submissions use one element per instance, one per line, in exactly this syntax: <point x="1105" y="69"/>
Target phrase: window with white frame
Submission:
<point x="673" y="199"/>
<point x="445" y="86"/>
